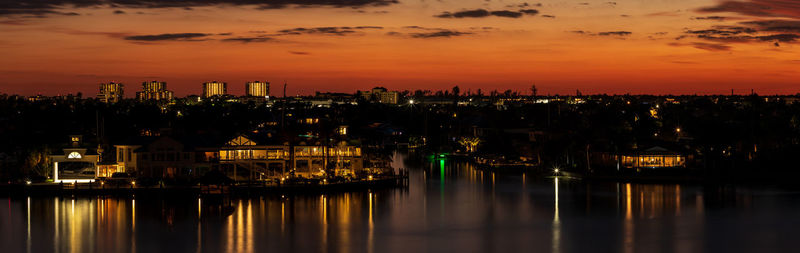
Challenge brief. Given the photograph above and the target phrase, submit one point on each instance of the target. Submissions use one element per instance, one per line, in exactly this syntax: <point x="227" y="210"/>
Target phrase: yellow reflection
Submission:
<point x="324" y="224"/>
<point x="28" y="216"/>
<point x="133" y="225"/>
<point x="239" y="228"/>
<point x="556" y="221"/>
<point x="370" y="235"/>
<point x="249" y="233"/>
<point x="199" y="247"/>
<point x="230" y="232"/>
<point x="628" y="241"/>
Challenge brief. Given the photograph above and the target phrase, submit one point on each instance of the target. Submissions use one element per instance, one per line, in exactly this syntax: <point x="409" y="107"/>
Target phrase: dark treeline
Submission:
<point x="727" y="136"/>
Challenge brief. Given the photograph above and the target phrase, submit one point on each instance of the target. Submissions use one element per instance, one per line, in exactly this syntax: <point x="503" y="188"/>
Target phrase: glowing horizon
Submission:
<point x="637" y="47"/>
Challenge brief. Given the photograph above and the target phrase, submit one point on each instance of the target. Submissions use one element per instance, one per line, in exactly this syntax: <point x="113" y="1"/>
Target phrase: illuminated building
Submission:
<point x="110" y="92"/>
<point x="211" y="89"/>
<point x="154" y="90"/>
<point x="256" y="89"/>
<point x="76" y="163"/>
<point x="244" y="158"/>
<point x="653" y="158"/>
<point x="380" y="95"/>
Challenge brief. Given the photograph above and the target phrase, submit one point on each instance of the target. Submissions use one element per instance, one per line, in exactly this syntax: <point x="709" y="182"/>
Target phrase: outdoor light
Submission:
<point x="133" y="182"/>
<point x="28" y="182"/>
<point x="411" y="101"/>
<point x="369" y="177"/>
<point x="678" y="130"/>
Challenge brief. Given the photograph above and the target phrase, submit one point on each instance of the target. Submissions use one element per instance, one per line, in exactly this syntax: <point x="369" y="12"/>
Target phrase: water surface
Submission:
<point x="448" y="207"/>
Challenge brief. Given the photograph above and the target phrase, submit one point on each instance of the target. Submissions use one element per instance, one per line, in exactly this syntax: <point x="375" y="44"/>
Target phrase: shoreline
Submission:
<point x="53" y="189"/>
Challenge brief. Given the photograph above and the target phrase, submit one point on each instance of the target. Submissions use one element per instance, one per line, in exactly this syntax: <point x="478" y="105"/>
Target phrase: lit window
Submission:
<point x="74" y="155"/>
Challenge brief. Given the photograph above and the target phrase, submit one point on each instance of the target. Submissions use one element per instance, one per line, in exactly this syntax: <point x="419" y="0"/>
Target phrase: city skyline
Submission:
<point x="659" y="47"/>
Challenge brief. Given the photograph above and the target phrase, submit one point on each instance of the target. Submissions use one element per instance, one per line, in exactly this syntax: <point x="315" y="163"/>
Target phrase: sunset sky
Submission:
<point x="55" y="47"/>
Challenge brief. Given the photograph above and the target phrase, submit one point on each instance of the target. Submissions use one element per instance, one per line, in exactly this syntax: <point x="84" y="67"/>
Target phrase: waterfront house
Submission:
<point x="653" y="158"/>
<point x="75" y="163"/>
<point x="243" y="157"/>
<point x="260" y="157"/>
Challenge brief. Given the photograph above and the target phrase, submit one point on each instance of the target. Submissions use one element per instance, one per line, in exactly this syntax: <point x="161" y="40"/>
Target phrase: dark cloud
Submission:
<point x="723" y="31"/>
<point x="716" y="18"/>
<point x="169" y="37"/>
<point x="421" y="32"/>
<point x="523" y="5"/>
<point x="775" y="25"/>
<point x="482" y="13"/>
<point x="507" y="14"/>
<point x="775" y="31"/>
<point x="332" y="30"/>
<point x="48" y="7"/>
<point x="299" y="53"/>
<point x="438" y="34"/>
<point x="119" y="12"/>
<point x="608" y="34"/>
<point x="785" y="37"/>
<point x="479" y="13"/>
<point x="759" y="8"/>
<point x="615" y="33"/>
<point x="548" y="16"/>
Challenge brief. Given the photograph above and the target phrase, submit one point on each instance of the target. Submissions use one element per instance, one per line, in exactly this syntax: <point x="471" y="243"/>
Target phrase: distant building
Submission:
<point x="110" y="92"/>
<point x="256" y="89"/>
<point x="380" y="95"/>
<point x="212" y="89"/>
<point x="154" y="90"/>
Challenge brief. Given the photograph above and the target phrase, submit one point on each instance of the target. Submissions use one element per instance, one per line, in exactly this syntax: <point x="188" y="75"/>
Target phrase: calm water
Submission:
<point x="448" y="207"/>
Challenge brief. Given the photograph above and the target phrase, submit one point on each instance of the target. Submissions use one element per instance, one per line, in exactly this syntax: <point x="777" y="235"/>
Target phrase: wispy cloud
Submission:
<point x="169" y="37"/>
<point x="53" y="7"/>
<point x="482" y="13"/>
<point x="340" y="30"/>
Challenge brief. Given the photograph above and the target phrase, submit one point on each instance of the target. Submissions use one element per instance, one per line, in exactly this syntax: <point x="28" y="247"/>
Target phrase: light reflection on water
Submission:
<point x="449" y="207"/>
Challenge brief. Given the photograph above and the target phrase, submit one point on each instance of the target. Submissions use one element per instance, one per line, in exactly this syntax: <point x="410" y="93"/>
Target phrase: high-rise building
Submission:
<point x="154" y="90"/>
<point x="256" y="89"/>
<point x="211" y="89"/>
<point x="110" y="92"/>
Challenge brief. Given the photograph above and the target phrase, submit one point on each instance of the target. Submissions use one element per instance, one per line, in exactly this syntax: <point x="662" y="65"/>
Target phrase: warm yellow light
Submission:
<point x="28" y="182"/>
<point x="678" y="130"/>
<point x="369" y="177"/>
<point x="411" y="101"/>
<point x="133" y="182"/>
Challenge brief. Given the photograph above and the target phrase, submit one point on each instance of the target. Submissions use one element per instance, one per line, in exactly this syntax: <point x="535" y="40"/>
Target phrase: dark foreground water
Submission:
<point x="449" y="207"/>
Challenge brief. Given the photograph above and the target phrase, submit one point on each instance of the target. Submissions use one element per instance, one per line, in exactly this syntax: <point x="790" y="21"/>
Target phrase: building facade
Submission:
<point x="76" y="164"/>
<point x="242" y="158"/>
<point x="164" y="157"/>
<point x="256" y="89"/>
<point x="212" y="89"/>
<point x="111" y="92"/>
<point x="154" y="91"/>
<point x="380" y="95"/>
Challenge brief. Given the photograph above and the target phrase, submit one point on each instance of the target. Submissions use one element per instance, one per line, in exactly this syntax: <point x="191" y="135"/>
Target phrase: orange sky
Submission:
<point x="642" y="46"/>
